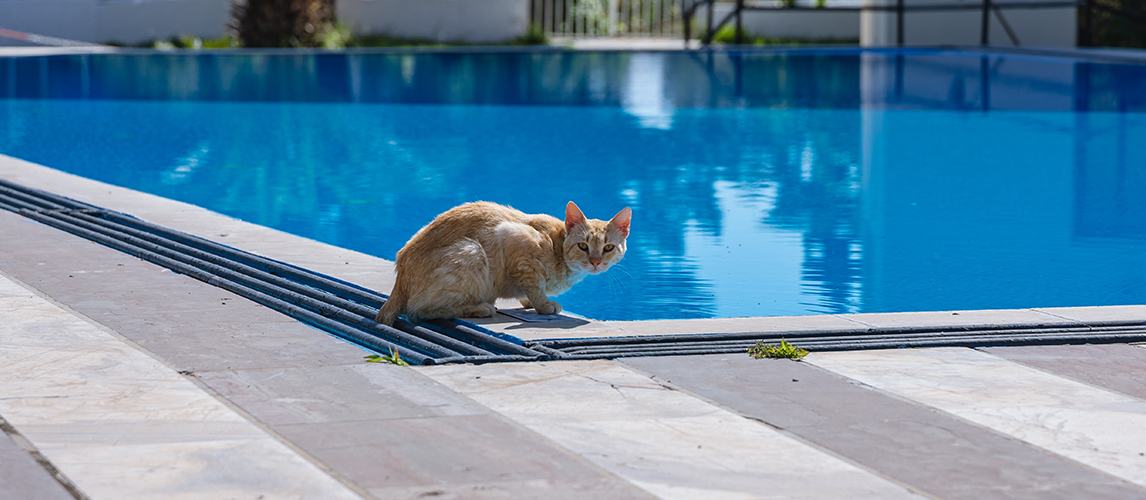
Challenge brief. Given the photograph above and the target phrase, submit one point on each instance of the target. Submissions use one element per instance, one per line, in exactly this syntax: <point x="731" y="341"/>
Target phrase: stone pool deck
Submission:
<point x="121" y="380"/>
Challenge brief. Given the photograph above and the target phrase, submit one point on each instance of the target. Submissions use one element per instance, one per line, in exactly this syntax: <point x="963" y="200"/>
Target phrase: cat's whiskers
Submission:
<point x="616" y="286"/>
<point x="621" y="267"/>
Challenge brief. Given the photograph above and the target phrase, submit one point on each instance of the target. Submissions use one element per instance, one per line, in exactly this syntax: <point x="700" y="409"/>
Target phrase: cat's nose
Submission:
<point x="594" y="262"/>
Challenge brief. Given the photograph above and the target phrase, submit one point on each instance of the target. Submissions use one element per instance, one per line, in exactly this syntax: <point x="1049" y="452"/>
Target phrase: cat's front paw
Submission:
<point x="550" y="308"/>
<point x="526" y="303"/>
<point x="479" y="311"/>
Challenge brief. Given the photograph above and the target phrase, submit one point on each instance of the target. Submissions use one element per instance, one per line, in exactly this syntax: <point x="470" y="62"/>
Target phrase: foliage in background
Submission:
<point x="727" y="35"/>
<point x="282" y="23"/>
<point x="194" y="42"/>
<point x="340" y="36"/>
<point x="588" y="15"/>
<point x="784" y="350"/>
<point x="532" y="36"/>
<point x="1108" y="29"/>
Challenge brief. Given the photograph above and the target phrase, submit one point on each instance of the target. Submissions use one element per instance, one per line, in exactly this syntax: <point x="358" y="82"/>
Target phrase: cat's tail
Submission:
<point x="391" y="308"/>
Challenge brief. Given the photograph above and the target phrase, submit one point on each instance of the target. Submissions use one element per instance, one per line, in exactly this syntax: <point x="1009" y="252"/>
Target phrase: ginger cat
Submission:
<point x="473" y="254"/>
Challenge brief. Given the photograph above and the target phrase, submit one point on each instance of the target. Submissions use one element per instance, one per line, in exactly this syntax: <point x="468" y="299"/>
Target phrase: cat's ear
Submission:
<point x="573" y="216"/>
<point x="621" y="221"/>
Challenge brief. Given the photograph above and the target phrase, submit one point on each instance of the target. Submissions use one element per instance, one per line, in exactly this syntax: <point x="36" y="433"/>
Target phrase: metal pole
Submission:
<point x="983" y="38"/>
<point x="739" y="23"/>
<point x="899" y="22"/>
<point x="899" y="76"/>
<point x="1081" y="94"/>
<point x="1085" y="35"/>
<point x="985" y="82"/>
<point x="709" y="35"/>
<point x="687" y="15"/>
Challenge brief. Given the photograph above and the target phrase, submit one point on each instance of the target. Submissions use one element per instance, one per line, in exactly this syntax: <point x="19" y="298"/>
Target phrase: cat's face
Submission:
<point x="593" y="246"/>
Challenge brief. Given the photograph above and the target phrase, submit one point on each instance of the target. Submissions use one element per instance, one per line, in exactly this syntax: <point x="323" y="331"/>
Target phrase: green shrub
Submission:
<point x="784" y="350"/>
<point x="1109" y="29"/>
<point x="533" y="36"/>
<point x="394" y="358"/>
<point x="340" y="36"/>
<point x="194" y="42"/>
<point x="392" y="41"/>
<point x="727" y="35"/>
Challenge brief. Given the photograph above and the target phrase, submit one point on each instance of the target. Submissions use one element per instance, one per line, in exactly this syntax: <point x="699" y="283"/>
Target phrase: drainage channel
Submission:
<point x="347" y="310"/>
<point x="846" y="340"/>
<point x="335" y="306"/>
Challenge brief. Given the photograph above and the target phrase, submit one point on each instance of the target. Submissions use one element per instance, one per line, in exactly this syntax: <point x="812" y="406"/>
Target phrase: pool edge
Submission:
<point x="377" y="274"/>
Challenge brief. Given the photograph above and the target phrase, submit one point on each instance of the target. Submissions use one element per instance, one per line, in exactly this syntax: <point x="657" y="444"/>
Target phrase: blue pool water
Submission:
<point x="762" y="182"/>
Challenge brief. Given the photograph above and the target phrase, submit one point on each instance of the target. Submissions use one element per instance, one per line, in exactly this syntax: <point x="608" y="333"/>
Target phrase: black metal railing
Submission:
<point x="1086" y="7"/>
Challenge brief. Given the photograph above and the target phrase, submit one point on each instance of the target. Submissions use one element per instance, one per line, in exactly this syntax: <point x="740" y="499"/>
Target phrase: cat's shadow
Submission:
<point x="527" y="318"/>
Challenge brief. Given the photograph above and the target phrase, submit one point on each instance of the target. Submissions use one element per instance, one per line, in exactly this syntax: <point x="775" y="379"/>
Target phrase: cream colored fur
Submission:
<point x="473" y="254"/>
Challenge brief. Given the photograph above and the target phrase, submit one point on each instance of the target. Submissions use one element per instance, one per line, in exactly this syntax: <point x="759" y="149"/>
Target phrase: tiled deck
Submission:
<point x="134" y="382"/>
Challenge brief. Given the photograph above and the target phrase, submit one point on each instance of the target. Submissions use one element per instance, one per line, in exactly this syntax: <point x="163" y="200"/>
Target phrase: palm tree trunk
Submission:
<point x="282" y="23"/>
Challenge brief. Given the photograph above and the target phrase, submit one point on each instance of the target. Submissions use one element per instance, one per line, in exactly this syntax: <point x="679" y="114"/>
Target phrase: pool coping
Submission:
<point x="377" y="274"/>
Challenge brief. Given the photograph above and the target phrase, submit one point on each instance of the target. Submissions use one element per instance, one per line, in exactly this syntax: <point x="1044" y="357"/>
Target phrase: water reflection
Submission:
<point x="844" y="78"/>
<point x="762" y="183"/>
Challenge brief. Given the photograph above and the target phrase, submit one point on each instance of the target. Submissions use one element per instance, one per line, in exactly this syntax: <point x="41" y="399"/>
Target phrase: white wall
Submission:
<point x="1033" y="27"/>
<point x="138" y="21"/>
<point x="132" y="22"/>
<point x="72" y="19"/>
<point x="475" y="21"/>
<point x="121" y="21"/>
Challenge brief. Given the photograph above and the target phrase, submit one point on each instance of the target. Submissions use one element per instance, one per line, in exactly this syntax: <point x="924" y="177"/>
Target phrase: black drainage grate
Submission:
<point x="347" y="310"/>
<point x="847" y="340"/>
<point x="338" y="307"/>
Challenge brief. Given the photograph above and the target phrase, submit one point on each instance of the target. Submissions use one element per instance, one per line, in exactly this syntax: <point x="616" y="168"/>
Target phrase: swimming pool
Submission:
<point x="763" y="182"/>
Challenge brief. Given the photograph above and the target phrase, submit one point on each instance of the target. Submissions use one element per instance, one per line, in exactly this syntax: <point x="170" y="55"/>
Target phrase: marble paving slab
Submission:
<point x="21" y="474"/>
<point x="944" y="456"/>
<point x="122" y="425"/>
<point x="1087" y="424"/>
<point x="667" y="442"/>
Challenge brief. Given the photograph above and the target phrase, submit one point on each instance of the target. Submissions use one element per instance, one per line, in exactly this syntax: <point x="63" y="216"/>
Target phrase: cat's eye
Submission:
<point x="609" y="247"/>
<point x="583" y="246"/>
